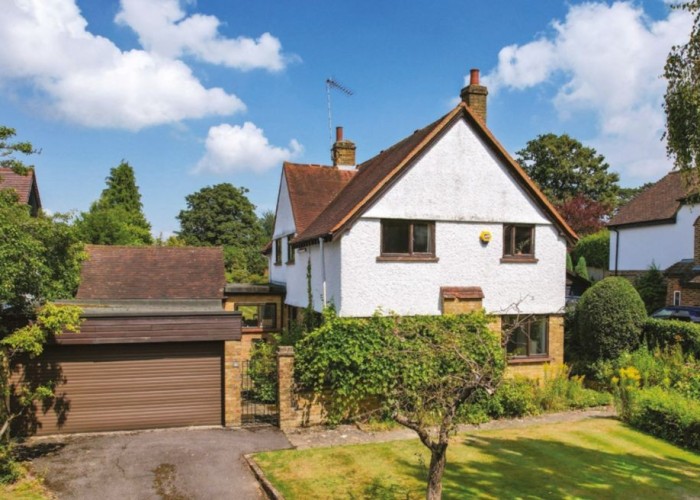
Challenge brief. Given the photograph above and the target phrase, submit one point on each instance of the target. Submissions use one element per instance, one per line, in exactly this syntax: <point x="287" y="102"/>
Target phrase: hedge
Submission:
<point x="662" y="332"/>
<point x="667" y="415"/>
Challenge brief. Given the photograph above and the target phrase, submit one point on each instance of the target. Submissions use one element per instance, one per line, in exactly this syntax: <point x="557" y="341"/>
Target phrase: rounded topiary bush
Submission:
<point x="609" y="319"/>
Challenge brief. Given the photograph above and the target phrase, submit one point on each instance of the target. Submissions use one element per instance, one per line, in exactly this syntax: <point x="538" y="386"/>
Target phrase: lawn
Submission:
<point x="595" y="458"/>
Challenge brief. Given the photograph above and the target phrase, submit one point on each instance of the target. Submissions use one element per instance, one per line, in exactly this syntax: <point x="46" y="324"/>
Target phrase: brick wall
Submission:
<point x="232" y="383"/>
<point x="689" y="296"/>
<point x="295" y="409"/>
<point x="460" y="306"/>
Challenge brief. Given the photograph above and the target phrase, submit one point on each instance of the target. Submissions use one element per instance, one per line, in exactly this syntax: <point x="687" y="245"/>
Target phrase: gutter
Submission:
<point x="617" y="248"/>
<point x="323" y="271"/>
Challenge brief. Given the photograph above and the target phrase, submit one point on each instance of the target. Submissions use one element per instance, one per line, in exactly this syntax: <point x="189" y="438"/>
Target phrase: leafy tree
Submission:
<point x="565" y="168"/>
<point x="569" y="263"/>
<point x="682" y="100"/>
<point x="595" y="248"/>
<point x="267" y="221"/>
<point x="585" y="216"/>
<point x="8" y="149"/>
<point x="420" y="370"/>
<point x="39" y="261"/>
<point x="117" y="217"/>
<point x="581" y="268"/>
<point x="651" y="286"/>
<point x="222" y="215"/>
<point x="609" y="319"/>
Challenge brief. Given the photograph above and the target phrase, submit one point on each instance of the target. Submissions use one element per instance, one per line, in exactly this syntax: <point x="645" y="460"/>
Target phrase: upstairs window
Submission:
<point x="518" y="242"/>
<point x="525" y="337"/>
<point x="278" y="251"/>
<point x="408" y="239"/>
<point x="290" y="250"/>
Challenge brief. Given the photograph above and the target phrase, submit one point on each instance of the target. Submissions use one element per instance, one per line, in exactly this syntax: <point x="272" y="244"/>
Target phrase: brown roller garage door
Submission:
<point x="133" y="386"/>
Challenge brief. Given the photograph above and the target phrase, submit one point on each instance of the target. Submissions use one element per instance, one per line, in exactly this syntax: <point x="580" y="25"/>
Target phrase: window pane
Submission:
<point x="508" y="240"/>
<point x="250" y="314"/>
<point x="421" y="238"/>
<point x="395" y="236"/>
<point x="523" y="240"/>
<point x="269" y="317"/>
<point x="517" y="343"/>
<point x="538" y="336"/>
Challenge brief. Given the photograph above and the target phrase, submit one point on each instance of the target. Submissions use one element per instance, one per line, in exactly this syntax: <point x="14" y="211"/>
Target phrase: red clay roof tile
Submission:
<point x="23" y="184"/>
<point x="119" y="272"/>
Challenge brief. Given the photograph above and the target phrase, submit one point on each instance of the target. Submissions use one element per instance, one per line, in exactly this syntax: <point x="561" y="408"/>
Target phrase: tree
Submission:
<point x="39" y="261"/>
<point x="581" y="268"/>
<point x="595" y="248"/>
<point x="419" y="370"/>
<point x="9" y="149"/>
<point x="564" y="168"/>
<point x="585" y="216"/>
<point x="651" y="286"/>
<point x="222" y="215"/>
<point x="682" y="101"/>
<point x="117" y="218"/>
<point x="267" y="221"/>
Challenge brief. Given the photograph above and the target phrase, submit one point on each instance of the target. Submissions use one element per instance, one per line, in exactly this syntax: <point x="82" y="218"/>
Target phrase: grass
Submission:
<point x="27" y="488"/>
<point x="595" y="458"/>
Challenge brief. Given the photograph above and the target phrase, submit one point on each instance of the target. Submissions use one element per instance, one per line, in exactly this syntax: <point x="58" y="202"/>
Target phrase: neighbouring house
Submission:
<point x="654" y="228"/>
<point x="156" y="348"/>
<point x="444" y="221"/>
<point x="683" y="288"/>
<point x="25" y="186"/>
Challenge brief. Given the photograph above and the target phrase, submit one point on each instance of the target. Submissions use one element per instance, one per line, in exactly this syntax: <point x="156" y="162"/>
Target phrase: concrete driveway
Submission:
<point x="173" y="464"/>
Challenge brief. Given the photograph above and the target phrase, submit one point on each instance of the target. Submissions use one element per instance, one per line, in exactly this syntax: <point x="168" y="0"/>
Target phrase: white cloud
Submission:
<point x="610" y="58"/>
<point x="164" y="28"/>
<point x="87" y="79"/>
<point x="235" y="148"/>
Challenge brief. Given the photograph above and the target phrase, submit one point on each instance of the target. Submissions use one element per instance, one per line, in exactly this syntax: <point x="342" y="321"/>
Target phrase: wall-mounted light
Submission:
<point x="485" y="236"/>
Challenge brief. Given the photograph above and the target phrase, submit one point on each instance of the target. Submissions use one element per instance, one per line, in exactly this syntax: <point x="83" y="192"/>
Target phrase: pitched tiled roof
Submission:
<point x="311" y="188"/>
<point x="23" y="184"/>
<point x="119" y="272"/>
<point x="377" y="174"/>
<point x="657" y="203"/>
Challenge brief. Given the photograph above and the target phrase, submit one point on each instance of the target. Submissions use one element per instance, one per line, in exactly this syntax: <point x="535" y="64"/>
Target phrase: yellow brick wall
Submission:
<point x="232" y="383"/>
<point x="461" y="306"/>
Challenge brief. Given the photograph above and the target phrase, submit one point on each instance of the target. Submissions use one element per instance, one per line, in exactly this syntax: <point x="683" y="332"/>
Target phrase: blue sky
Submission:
<point x="196" y="93"/>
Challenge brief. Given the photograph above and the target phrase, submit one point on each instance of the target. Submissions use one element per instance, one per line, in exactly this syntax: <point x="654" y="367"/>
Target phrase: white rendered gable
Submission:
<point x="284" y="217"/>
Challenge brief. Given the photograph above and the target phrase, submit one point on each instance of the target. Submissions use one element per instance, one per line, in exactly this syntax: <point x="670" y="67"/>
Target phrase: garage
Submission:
<point x="120" y="374"/>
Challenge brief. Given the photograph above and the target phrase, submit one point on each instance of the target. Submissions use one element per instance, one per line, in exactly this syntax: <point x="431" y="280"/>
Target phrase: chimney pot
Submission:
<point x="338" y="134"/>
<point x="474" y="76"/>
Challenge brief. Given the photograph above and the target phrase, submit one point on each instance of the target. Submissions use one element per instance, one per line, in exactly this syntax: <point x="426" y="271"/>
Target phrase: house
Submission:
<point x="443" y="221"/>
<point x="155" y="349"/>
<point x="683" y="277"/>
<point x="654" y="228"/>
<point x="24" y="185"/>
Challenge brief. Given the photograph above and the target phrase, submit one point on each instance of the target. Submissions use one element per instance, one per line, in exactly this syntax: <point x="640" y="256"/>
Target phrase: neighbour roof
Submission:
<point x="657" y="203"/>
<point x="23" y="184"/>
<point x="311" y="188"/>
<point x="687" y="271"/>
<point x="376" y="175"/>
<point x="120" y="272"/>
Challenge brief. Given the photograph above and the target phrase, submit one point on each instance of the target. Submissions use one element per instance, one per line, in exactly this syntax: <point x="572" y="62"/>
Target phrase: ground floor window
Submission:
<point x="262" y="316"/>
<point x="525" y="336"/>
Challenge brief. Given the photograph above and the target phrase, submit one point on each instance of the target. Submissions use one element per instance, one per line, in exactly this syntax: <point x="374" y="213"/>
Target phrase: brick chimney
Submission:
<point x="343" y="151"/>
<point x="474" y="95"/>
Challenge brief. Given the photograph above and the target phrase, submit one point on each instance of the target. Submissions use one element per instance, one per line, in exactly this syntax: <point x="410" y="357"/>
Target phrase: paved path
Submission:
<point x="172" y="464"/>
<point x="314" y="437"/>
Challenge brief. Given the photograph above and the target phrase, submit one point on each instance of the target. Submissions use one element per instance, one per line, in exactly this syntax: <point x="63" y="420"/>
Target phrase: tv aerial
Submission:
<point x="332" y="83"/>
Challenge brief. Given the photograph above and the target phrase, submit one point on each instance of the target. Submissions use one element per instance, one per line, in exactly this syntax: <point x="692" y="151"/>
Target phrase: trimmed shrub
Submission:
<point x="651" y="286"/>
<point x="662" y="333"/>
<point x="516" y="397"/>
<point x="666" y="414"/>
<point x="609" y="319"/>
<point x="595" y="248"/>
<point x="582" y="268"/>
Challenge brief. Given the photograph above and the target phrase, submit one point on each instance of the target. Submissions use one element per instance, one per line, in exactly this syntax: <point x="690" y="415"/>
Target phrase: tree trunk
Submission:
<point x="438" y="457"/>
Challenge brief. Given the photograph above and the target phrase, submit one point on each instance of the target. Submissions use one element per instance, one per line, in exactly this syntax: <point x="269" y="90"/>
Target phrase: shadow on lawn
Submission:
<point x="526" y="467"/>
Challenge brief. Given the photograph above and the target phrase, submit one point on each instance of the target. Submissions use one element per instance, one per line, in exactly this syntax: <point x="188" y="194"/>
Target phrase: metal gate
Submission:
<point x="258" y="399"/>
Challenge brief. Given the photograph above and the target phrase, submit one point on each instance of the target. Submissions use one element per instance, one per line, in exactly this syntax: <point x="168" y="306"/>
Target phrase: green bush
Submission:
<point x="561" y="391"/>
<point x="595" y="248"/>
<point x="651" y="286"/>
<point x="516" y="397"/>
<point x="666" y="414"/>
<point x="662" y="332"/>
<point x="582" y="268"/>
<point x="10" y="470"/>
<point x="609" y="319"/>
<point x="262" y="370"/>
